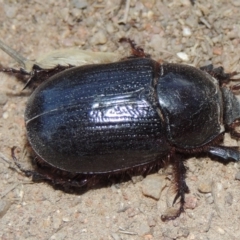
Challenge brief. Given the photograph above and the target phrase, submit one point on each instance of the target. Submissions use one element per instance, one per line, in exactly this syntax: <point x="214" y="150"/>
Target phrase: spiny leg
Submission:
<point x="136" y="50"/>
<point x="179" y="172"/>
<point x="232" y="129"/>
<point x="20" y="71"/>
<point x="219" y="74"/>
<point x="39" y="75"/>
<point x="52" y="176"/>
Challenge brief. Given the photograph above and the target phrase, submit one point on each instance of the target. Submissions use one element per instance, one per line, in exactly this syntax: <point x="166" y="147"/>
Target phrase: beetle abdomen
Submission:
<point x="97" y="118"/>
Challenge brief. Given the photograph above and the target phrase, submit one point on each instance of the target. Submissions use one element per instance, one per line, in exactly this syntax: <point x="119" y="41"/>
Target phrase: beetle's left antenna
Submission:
<point x="24" y="62"/>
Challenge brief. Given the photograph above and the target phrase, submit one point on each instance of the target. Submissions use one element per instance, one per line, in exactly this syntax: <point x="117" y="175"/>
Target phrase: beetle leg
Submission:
<point x="15" y="71"/>
<point x="136" y="50"/>
<point x="225" y="153"/>
<point x="28" y="173"/>
<point x="232" y="131"/>
<point x="181" y="187"/>
<point x="219" y="74"/>
<point x="43" y="74"/>
<point x="65" y="180"/>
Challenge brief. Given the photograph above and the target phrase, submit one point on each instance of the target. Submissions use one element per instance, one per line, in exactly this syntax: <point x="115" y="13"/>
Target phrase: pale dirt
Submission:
<point x="209" y="32"/>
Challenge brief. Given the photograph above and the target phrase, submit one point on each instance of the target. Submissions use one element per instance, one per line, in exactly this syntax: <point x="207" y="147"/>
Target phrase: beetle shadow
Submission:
<point x="76" y="183"/>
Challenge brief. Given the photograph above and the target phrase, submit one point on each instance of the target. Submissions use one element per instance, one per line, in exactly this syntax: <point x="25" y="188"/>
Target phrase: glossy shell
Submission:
<point x="112" y="117"/>
<point x="97" y="118"/>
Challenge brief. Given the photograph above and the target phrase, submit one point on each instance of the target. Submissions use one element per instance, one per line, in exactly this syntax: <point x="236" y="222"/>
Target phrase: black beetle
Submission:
<point x="130" y="115"/>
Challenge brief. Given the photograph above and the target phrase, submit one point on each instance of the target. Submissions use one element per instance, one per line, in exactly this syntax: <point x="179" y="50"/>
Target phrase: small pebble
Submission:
<point x="143" y="229"/>
<point x="152" y="186"/>
<point x="4" y="206"/>
<point x="80" y="4"/>
<point x="236" y="3"/>
<point x="56" y="219"/>
<point x="151" y="222"/>
<point x="5" y="115"/>
<point x="187" y="32"/>
<point x="183" y="56"/>
<point x="99" y="38"/>
<point x="221" y="231"/>
<point x="3" y="98"/>
<point x="115" y="236"/>
<point x="237" y="176"/>
<point x="190" y="202"/>
<point x="209" y="198"/>
<point x="66" y="219"/>
<point x="229" y="199"/>
<point x="217" y="50"/>
<point x="10" y="11"/>
<point x="205" y="187"/>
<point x="183" y="232"/>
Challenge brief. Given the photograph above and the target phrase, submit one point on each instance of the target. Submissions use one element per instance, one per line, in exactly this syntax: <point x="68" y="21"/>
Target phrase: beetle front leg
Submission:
<point x="226" y="154"/>
<point x="219" y="74"/>
<point x="179" y="171"/>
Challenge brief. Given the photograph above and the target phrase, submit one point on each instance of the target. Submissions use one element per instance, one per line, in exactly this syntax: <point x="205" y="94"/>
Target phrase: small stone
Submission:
<point x="229" y="199"/>
<point x="99" y="38"/>
<point x="66" y="219"/>
<point x="110" y="28"/>
<point x="57" y="220"/>
<point x="80" y="4"/>
<point x="143" y="229"/>
<point x="170" y="233"/>
<point x="183" y="56"/>
<point x="187" y="31"/>
<point x="47" y="222"/>
<point x="11" y="11"/>
<point x="4" y="206"/>
<point x="190" y="202"/>
<point x="217" y="50"/>
<point x="152" y="186"/>
<point x="236" y="3"/>
<point x="151" y="222"/>
<point x="136" y="179"/>
<point x="148" y="237"/>
<point x="237" y="176"/>
<point x="183" y="232"/>
<point x="3" y="98"/>
<point x="209" y="198"/>
<point x="185" y="2"/>
<point x="115" y="236"/>
<point x="221" y="231"/>
<point x="5" y="115"/>
<point x="205" y="187"/>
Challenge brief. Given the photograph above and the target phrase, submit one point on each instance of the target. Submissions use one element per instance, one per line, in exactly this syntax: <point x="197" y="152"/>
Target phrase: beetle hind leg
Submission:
<point x="232" y="129"/>
<point x="181" y="188"/>
<point x="56" y="178"/>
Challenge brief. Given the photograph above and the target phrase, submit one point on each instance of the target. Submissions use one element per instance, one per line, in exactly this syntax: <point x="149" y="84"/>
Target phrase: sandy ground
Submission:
<point x="174" y="31"/>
